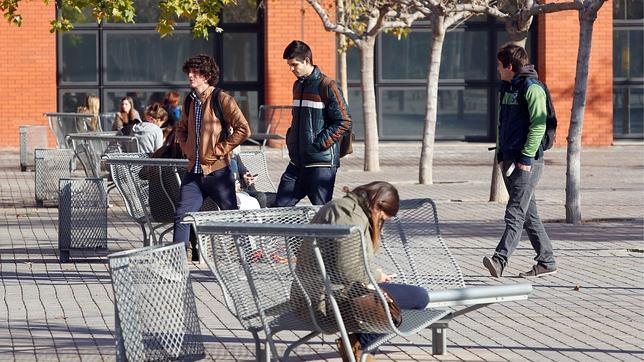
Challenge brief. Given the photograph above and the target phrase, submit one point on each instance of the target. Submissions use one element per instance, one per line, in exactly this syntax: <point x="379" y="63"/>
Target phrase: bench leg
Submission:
<point x="439" y="338"/>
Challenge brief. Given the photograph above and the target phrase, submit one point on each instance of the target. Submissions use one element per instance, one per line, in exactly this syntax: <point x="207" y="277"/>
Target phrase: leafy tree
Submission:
<point x="204" y="14"/>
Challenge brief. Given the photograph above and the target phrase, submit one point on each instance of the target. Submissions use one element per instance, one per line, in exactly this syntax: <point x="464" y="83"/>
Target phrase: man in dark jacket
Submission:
<point x="320" y="119"/>
<point x="522" y="124"/>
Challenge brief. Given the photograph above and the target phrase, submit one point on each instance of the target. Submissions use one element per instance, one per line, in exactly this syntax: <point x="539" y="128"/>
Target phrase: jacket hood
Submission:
<point x="527" y="72"/>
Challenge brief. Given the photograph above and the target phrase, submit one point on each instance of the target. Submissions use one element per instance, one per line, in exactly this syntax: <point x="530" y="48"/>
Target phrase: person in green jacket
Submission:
<point x="367" y="207"/>
<point x="522" y="125"/>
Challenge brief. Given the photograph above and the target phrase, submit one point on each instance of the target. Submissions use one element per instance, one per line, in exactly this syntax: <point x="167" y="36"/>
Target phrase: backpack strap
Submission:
<point x="215" y="103"/>
<point x="325" y="83"/>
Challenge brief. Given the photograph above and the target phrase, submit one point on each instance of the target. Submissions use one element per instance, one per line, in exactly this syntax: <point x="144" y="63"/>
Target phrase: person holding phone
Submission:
<point x="367" y="207"/>
<point x="245" y="182"/>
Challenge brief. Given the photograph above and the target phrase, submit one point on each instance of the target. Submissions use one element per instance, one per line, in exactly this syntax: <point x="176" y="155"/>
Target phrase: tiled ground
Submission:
<point x="591" y="310"/>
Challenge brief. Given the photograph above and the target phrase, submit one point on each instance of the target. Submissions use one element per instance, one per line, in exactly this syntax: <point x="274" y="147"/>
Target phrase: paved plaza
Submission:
<point x="591" y="310"/>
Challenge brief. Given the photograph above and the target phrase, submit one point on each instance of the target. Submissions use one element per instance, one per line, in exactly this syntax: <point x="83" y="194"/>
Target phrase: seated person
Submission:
<point x="148" y="132"/>
<point x="126" y="116"/>
<point x="245" y="182"/>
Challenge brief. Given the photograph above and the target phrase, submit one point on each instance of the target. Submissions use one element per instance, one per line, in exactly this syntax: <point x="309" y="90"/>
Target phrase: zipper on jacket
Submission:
<point x="299" y="121"/>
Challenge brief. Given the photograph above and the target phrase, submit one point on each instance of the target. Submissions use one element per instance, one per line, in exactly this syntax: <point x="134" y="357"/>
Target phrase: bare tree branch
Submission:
<point x="331" y="26"/>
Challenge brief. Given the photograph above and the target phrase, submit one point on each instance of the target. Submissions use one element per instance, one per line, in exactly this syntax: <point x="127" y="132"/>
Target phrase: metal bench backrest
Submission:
<point x="132" y="188"/>
<point x="413" y="236"/>
<point x="150" y="188"/>
<point x="270" y="117"/>
<point x="156" y="314"/>
<point x="221" y="256"/>
<point x="63" y="124"/>
<point x="255" y="162"/>
<point x="90" y="147"/>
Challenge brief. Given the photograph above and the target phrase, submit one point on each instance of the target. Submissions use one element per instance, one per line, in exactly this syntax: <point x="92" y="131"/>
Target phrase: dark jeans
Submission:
<point x="406" y="296"/>
<point x="218" y="185"/>
<point x="296" y="183"/>
<point x="521" y="213"/>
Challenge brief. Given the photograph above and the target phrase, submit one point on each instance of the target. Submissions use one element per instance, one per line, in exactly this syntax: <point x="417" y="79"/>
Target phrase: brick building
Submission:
<point x="44" y="72"/>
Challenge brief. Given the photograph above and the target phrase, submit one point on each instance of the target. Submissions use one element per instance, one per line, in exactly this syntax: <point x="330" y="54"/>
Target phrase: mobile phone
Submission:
<point x="509" y="170"/>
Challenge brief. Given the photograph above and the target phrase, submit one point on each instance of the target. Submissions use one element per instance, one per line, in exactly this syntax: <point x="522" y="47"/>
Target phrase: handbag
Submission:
<point x="366" y="311"/>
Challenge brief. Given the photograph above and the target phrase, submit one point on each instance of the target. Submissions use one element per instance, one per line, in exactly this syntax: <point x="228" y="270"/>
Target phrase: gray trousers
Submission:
<point x="521" y="213"/>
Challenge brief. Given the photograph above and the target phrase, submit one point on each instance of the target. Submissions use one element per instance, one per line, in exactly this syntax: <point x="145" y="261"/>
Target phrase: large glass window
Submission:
<point x="465" y="55"/>
<point x="467" y="83"/>
<point x="79" y="62"/>
<point x="628" y="68"/>
<point x="405" y="59"/>
<point x="114" y="60"/>
<point x="143" y="56"/>
<point x="240" y="62"/>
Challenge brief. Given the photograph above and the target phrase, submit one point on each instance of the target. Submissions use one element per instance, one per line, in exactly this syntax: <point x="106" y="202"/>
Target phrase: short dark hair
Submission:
<point x="512" y="54"/>
<point x="205" y="65"/>
<point x="298" y="50"/>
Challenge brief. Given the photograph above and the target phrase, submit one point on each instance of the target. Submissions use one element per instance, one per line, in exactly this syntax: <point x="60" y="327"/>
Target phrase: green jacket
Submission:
<point x="343" y="258"/>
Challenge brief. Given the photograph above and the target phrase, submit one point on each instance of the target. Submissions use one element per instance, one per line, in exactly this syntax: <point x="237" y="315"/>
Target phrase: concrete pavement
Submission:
<point x="593" y="309"/>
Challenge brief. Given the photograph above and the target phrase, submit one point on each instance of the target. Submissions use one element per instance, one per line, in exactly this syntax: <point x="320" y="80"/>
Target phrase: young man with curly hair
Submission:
<point x="207" y="141"/>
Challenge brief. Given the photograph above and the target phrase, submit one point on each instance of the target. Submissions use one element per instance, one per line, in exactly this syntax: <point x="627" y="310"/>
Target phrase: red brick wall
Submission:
<point x="558" y="44"/>
<point x="27" y="71"/>
<point x="283" y="25"/>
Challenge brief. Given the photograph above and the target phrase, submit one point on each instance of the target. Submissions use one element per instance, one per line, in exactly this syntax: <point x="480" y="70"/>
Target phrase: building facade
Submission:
<point x="46" y="72"/>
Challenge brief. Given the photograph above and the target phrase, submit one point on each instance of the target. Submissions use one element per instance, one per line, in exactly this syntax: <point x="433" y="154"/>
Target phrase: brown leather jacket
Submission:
<point x="214" y="155"/>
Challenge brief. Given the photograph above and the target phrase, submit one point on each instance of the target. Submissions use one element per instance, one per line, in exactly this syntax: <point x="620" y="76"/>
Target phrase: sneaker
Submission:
<point x="537" y="271"/>
<point x="355" y="347"/>
<point x="493" y="265"/>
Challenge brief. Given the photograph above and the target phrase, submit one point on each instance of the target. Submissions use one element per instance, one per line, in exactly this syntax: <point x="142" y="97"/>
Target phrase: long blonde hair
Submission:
<point x="93" y="105"/>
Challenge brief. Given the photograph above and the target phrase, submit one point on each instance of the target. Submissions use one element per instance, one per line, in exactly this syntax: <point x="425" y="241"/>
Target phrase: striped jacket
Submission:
<point x="319" y="122"/>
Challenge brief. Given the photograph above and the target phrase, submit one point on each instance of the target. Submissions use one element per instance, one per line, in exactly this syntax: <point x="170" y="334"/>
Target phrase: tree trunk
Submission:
<point x="425" y="174"/>
<point x="370" y="115"/>
<point x="343" y="54"/>
<point x="573" y="176"/>
<point x="343" y="70"/>
<point x="498" y="191"/>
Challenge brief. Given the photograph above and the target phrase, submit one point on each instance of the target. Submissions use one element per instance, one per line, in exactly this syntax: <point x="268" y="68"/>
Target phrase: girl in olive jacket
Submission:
<point x="366" y="207"/>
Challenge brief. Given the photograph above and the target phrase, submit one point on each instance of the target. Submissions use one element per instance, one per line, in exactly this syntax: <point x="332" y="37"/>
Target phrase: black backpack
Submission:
<point x="551" y="118"/>
<point x="216" y="106"/>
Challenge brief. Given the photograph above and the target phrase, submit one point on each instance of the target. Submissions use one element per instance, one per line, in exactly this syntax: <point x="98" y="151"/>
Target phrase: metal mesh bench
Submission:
<point x="63" y="124"/>
<point x="221" y="256"/>
<point x="82" y="215"/>
<point x="412" y="247"/>
<point x="269" y="293"/>
<point x="90" y="147"/>
<point x="155" y="310"/>
<point x="142" y="180"/>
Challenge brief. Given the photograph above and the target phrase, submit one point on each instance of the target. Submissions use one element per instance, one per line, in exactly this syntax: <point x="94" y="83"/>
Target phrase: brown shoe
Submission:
<point x="355" y="347"/>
